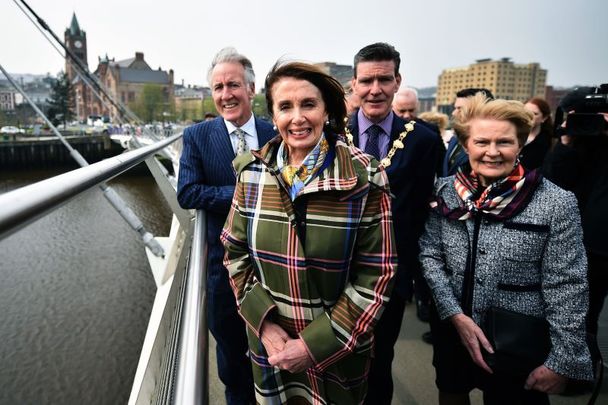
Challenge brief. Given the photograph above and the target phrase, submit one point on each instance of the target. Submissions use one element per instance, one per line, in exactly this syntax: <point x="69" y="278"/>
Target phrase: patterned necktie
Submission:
<point x="372" y="146"/>
<point x="242" y="144"/>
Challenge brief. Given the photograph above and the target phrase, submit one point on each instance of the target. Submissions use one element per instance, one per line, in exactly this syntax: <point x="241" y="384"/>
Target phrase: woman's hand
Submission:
<point x="545" y="380"/>
<point x="294" y="357"/>
<point x="473" y="339"/>
<point x="273" y="337"/>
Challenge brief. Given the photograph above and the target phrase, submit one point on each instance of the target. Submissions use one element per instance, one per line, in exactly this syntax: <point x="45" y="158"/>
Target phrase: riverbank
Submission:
<point x="44" y="152"/>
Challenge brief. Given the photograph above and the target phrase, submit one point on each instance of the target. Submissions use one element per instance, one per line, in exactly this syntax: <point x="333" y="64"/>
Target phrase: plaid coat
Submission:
<point x="324" y="273"/>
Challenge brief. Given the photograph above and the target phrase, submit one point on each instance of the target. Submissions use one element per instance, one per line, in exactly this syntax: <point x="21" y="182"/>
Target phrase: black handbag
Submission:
<point x="521" y="342"/>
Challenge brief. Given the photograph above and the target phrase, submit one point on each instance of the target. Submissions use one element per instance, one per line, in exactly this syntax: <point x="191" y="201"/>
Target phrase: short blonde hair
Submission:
<point x="437" y="118"/>
<point x="480" y="107"/>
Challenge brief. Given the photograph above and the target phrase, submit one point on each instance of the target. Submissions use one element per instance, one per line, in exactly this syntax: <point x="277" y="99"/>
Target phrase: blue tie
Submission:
<point x="372" y="146"/>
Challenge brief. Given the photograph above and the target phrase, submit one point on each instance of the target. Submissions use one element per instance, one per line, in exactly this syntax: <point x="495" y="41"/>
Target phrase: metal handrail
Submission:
<point x="23" y="206"/>
<point x="192" y="377"/>
<point x="186" y="358"/>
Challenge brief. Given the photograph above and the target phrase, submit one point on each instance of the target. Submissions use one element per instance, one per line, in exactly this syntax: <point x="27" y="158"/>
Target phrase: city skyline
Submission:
<point x="431" y="36"/>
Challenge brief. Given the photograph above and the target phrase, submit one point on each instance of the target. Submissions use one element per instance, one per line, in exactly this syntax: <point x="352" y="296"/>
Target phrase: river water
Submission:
<point x="76" y="293"/>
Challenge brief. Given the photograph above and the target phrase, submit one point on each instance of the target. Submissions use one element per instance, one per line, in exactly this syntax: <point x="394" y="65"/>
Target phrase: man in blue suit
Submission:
<point x="206" y="181"/>
<point x="411" y="174"/>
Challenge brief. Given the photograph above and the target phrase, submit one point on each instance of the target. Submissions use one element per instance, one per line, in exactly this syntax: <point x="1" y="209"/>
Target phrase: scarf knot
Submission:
<point x="297" y="177"/>
<point x="500" y="200"/>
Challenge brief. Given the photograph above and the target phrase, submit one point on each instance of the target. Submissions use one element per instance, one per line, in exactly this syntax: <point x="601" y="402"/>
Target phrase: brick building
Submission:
<point x="124" y="79"/>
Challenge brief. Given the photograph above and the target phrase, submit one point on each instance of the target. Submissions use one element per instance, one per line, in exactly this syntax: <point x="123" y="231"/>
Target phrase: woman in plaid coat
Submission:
<point x="309" y="247"/>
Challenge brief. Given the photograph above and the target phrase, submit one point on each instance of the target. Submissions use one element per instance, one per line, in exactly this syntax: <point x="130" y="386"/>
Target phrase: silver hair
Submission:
<point x="407" y="90"/>
<point x="230" y="55"/>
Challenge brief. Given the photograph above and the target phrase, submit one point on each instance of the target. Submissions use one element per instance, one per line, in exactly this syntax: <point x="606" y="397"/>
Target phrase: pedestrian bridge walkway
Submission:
<point x="413" y="373"/>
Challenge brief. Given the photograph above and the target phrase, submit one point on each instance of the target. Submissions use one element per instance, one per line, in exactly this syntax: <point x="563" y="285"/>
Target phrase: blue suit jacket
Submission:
<point x="411" y="176"/>
<point x="206" y="181"/>
<point x="460" y="159"/>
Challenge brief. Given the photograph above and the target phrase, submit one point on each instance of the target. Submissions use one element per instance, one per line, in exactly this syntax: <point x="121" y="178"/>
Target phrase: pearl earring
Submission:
<point x="274" y="127"/>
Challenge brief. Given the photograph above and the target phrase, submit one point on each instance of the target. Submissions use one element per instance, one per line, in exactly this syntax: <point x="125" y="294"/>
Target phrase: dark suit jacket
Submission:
<point x="435" y="129"/>
<point x="460" y="158"/>
<point x="206" y="181"/>
<point x="411" y="176"/>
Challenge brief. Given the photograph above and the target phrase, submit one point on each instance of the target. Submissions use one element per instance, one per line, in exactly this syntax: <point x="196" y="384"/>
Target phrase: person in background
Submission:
<point x="579" y="163"/>
<point x="405" y="103"/>
<point x="455" y="156"/>
<point x="441" y="121"/>
<point x="206" y="181"/>
<point x="352" y="102"/>
<point x="209" y="117"/>
<point x="539" y="141"/>
<point x="309" y="246"/>
<point x="502" y="236"/>
<point x="406" y="106"/>
<point x="410" y="153"/>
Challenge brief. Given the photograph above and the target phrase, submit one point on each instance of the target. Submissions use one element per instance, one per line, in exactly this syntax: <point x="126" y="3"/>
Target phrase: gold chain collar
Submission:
<point x="397" y="143"/>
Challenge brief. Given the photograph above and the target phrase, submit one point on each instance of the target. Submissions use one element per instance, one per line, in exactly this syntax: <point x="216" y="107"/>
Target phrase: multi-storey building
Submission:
<point x="342" y="73"/>
<point x="189" y="101"/>
<point x="505" y="79"/>
<point x="426" y="99"/>
<point x="7" y="100"/>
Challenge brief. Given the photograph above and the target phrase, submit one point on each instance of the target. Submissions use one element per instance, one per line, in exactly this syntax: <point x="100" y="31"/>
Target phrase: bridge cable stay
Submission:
<point x="76" y="61"/>
<point x="115" y="200"/>
<point x="81" y="74"/>
<point x="89" y="79"/>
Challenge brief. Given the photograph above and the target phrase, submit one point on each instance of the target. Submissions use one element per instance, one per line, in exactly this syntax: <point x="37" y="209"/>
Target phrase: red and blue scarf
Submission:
<point x="502" y="199"/>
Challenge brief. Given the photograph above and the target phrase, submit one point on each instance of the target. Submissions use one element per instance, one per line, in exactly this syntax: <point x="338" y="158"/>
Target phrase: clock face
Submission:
<point x="78" y="44"/>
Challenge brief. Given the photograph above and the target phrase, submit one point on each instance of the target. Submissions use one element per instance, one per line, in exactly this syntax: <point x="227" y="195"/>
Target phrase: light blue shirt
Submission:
<point x="383" y="139"/>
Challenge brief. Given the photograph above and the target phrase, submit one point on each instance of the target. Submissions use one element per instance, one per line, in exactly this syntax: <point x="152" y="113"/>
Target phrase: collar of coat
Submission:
<point x="350" y="169"/>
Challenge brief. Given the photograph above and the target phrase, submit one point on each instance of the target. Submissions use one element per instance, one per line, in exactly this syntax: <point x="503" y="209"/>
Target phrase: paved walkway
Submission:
<point x="413" y="374"/>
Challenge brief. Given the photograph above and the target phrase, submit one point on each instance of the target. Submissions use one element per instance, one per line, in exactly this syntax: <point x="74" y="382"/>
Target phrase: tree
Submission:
<point x="259" y="106"/>
<point x="208" y="107"/>
<point x="151" y="103"/>
<point x="61" y="103"/>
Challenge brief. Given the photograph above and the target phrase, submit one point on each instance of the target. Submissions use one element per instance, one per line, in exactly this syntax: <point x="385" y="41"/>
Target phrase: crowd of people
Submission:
<point x="323" y="225"/>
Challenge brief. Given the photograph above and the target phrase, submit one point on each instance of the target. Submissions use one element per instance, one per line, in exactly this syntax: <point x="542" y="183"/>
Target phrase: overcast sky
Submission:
<point x="568" y="38"/>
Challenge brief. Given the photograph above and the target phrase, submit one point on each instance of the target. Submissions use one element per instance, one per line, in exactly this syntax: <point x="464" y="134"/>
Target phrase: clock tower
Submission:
<point x="76" y="41"/>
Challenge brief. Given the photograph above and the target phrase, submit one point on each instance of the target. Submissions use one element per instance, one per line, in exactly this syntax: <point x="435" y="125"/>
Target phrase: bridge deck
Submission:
<point x="413" y="373"/>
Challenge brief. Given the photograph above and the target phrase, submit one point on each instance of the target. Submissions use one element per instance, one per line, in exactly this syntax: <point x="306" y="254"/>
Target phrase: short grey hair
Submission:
<point x="230" y="55"/>
<point x="407" y="90"/>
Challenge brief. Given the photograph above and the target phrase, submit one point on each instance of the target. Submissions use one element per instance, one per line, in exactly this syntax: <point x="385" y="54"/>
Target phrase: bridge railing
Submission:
<point x="175" y="370"/>
<point x="192" y="376"/>
<point x="20" y="207"/>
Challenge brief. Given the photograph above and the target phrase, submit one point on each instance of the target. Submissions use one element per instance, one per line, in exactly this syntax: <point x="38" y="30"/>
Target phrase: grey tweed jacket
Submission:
<point x="533" y="263"/>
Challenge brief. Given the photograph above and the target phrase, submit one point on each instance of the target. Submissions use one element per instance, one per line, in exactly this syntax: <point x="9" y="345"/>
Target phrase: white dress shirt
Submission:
<point x="251" y="135"/>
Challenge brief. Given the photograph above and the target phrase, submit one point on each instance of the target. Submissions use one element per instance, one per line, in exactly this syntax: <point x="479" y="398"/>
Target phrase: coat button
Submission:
<point x="482" y="252"/>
